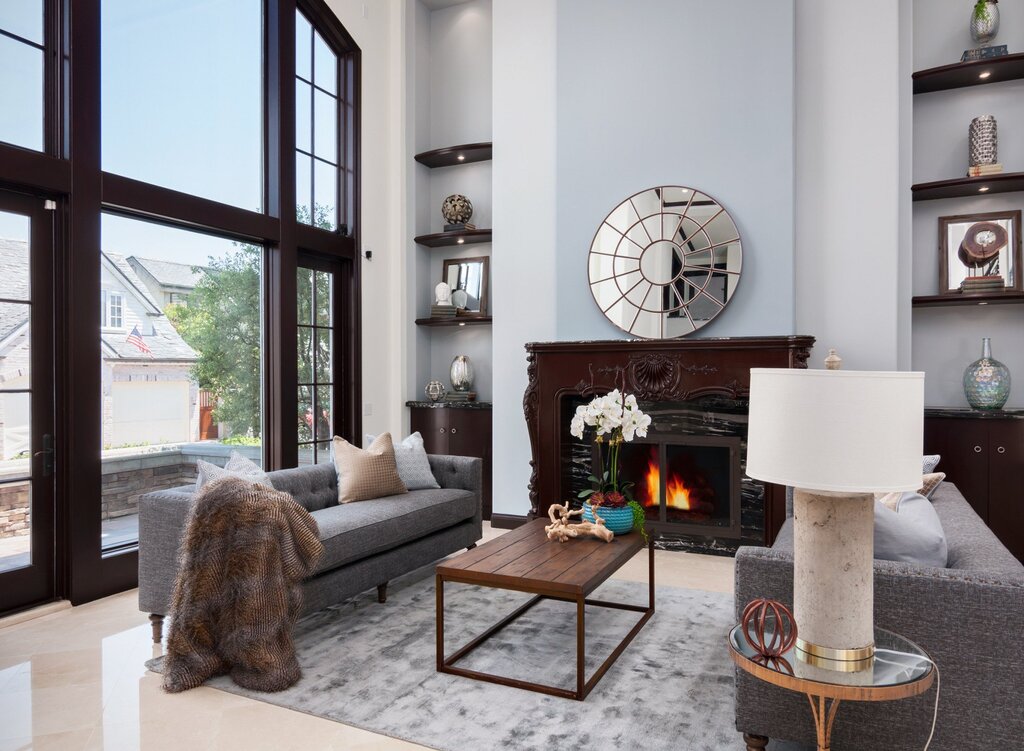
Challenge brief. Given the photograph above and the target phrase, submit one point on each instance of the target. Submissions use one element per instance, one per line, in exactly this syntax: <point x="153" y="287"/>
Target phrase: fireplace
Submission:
<point x="689" y="469"/>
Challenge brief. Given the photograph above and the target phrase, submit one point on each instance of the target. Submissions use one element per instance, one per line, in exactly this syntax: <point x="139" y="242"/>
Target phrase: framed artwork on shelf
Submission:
<point x="468" y="280"/>
<point x="980" y="253"/>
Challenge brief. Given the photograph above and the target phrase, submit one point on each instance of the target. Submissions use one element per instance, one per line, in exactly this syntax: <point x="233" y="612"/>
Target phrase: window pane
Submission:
<point x="304" y="188"/>
<point x="323" y="355"/>
<point x="305" y="355"/>
<point x="324" y="290"/>
<point x="326" y="73"/>
<point x="303" y="47"/>
<point x="325" y="413"/>
<point x="303" y="116"/>
<point x="14" y="253"/>
<point x="24" y="18"/>
<point x="182" y="379"/>
<point x="323" y="453"/>
<point x="305" y="413"/>
<point x="326" y="126"/>
<point x="304" y="284"/>
<point x="182" y="96"/>
<point x="21" y="90"/>
<point x="325" y="185"/>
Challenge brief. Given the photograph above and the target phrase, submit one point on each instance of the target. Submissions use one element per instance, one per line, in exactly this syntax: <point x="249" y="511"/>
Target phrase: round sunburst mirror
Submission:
<point x="665" y="262"/>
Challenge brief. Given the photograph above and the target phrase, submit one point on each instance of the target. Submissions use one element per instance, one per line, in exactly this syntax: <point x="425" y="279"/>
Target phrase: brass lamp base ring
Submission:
<point x="843" y="660"/>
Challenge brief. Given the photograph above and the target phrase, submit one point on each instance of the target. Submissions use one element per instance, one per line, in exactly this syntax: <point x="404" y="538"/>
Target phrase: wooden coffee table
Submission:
<point x="524" y="560"/>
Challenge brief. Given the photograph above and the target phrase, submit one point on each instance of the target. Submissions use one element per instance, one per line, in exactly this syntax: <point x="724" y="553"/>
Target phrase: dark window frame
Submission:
<point x="72" y="137"/>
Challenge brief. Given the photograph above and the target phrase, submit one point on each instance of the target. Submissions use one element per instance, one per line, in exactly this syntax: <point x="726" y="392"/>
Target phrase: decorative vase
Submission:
<point x="618" y="520"/>
<point x="987" y="381"/>
<point x="457" y="209"/>
<point x="985" y="21"/>
<point x="984" y="140"/>
<point x="435" y="391"/>
<point x="461" y="373"/>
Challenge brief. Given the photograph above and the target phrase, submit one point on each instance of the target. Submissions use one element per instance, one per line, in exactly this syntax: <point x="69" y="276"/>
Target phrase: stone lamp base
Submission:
<point x="833" y="578"/>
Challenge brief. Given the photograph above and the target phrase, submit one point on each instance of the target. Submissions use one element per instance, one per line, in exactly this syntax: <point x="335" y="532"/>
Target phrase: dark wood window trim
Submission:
<point x="70" y="172"/>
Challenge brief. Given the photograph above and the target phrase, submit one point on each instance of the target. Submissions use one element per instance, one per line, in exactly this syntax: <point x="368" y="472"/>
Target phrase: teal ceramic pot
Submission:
<point x="618" y="520"/>
<point x="987" y="381"/>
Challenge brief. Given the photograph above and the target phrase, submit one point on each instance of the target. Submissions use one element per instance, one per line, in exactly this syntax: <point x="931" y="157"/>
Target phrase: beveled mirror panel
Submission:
<point x="665" y="262"/>
<point x="467" y="278"/>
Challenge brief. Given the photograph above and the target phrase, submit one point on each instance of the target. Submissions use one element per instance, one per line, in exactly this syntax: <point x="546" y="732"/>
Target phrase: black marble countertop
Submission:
<point x="449" y="405"/>
<point x="974" y="414"/>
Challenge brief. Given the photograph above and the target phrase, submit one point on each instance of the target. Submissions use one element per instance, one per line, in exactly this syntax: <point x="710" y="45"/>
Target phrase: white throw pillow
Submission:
<point x="237" y="466"/>
<point x="929" y="463"/>
<point x="412" y="461"/>
<point x="911" y="532"/>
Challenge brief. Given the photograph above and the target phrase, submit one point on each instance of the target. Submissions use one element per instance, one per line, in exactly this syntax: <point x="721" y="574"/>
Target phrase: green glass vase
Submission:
<point x="987" y="381"/>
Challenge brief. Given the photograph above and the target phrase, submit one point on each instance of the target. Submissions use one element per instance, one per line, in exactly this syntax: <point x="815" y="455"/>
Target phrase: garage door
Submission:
<point x="149" y="412"/>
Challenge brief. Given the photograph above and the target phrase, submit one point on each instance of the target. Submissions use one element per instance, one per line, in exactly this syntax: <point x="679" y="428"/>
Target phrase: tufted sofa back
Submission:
<point x="314" y="487"/>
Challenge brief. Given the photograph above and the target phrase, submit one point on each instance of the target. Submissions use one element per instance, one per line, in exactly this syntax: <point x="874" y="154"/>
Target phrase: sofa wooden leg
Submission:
<point x="157" y="622"/>
<point x="382" y="592"/>
<point x="471" y="546"/>
<point x="755" y="742"/>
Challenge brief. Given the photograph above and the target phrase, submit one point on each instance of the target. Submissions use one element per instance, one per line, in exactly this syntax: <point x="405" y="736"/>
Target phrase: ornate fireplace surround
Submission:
<point x="655" y="371"/>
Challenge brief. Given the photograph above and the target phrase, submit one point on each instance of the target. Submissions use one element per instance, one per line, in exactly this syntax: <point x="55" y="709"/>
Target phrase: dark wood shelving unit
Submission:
<point x="962" y="187"/>
<point x="959" y="75"/>
<point x="942" y="301"/>
<point x="449" y="156"/>
<point x="459" y="237"/>
<point x="456" y="321"/>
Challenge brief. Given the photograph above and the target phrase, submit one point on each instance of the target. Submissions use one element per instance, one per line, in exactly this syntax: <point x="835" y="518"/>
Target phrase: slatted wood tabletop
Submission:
<point x="526" y="560"/>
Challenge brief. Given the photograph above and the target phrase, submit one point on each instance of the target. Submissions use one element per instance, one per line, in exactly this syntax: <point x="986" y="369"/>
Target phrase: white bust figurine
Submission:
<point x="443" y="294"/>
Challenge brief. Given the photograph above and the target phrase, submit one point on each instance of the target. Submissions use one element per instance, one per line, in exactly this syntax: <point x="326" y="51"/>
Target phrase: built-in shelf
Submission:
<point x="456" y="237"/>
<point x="455" y="321"/>
<point x="959" y="75"/>
<point x="996" y="298"/>
<point x="962" y="187"/>
<point x="449" y="156"/>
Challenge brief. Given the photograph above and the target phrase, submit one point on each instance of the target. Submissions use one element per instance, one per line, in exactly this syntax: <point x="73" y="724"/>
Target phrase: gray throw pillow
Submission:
<point x="237" y="466"/>
<point x="912" y="533"/>
<point x="929" y="463"/>
<point x="413" y="464"/>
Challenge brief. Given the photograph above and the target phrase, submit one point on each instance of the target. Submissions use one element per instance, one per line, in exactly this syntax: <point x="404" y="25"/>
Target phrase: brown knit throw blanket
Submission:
<point x="246" y="550"/>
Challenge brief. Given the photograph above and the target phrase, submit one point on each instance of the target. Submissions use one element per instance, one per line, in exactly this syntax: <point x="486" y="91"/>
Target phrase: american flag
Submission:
<point x="136" y="338"/>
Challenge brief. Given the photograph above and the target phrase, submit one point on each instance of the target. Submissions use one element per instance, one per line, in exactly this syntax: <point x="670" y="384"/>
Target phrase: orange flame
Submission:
<point x="678" y="493"/>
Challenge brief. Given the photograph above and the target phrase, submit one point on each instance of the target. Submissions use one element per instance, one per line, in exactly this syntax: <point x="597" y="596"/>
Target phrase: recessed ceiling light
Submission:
<point x="982" y="189"/>
<point x="461" y="240"/>
<point x="462" y="157"/>
<point x="985" y="74"/>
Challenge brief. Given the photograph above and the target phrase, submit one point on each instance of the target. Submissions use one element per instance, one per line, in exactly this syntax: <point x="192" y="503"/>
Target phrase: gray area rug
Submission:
<point x="373" y="666"/>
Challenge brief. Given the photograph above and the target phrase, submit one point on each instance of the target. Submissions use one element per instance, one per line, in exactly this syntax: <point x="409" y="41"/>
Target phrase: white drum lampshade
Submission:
<point x="836" y="437"/>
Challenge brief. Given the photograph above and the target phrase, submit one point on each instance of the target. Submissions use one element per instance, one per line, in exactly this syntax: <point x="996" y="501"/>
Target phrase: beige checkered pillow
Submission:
<point x="366" y="473"/>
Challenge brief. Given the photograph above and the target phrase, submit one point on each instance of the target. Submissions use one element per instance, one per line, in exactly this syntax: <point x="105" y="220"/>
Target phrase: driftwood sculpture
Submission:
<point x="560" y="529"/>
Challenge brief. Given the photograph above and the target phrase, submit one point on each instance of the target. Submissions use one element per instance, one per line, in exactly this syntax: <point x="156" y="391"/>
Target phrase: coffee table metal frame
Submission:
<point x="583" y="685"/>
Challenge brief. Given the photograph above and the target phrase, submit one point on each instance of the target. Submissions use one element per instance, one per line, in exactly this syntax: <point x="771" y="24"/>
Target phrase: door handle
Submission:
<point x="977" y="449"/>
<point x="47" y="454"/>
<point x="453" y="431"/>
<point x="1001" y="449"/>
<point x="441" y="431"/>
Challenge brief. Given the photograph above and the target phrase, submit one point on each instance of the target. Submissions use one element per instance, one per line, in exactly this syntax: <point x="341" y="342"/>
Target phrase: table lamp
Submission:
<point x="837" y="437"/>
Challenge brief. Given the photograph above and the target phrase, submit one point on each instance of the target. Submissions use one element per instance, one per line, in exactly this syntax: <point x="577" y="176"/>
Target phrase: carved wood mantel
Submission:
<point x="653" y="370"/>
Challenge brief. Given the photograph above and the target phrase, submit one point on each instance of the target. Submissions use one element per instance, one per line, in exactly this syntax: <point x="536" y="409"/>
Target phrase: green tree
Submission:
<point x="221" y="322"/>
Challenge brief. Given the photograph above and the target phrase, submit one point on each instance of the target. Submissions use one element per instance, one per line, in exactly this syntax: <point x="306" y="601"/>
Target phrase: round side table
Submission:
<point x="901" y="669"/>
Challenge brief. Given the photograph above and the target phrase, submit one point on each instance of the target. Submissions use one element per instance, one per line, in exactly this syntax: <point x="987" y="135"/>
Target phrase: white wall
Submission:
<point x="525" y="213"/>
<point x="378" y="27"/>
<point x="848" y="183"/>
<point x="947" y="340"/>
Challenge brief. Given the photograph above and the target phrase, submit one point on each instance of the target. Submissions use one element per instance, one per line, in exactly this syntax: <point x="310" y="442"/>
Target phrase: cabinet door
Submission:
<point x="470" y="435"/>
<point x="432" y="424"/>
<point x="1006" y="468"/>
<point x="963" y="444"/>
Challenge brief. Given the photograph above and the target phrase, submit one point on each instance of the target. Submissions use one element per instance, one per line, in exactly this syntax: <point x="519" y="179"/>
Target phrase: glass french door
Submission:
<point x="27" y="457"/>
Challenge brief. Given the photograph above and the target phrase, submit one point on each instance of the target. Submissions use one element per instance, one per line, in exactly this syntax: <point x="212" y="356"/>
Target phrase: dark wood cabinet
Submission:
<point x="457" y="430"/>
<point x="984" y="457"/>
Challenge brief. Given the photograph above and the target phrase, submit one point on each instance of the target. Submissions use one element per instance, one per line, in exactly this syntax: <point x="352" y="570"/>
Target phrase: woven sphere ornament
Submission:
<point x="769" y="627"/>
<point x="457" y="209"/>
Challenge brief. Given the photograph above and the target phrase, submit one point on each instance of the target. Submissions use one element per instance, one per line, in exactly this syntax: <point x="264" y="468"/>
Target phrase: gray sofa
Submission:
<point x="366" y="543"/>
<point x="969" y="617"/>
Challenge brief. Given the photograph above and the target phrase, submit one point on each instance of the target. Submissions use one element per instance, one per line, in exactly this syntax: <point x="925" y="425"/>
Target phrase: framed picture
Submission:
<point x="467" y="278"/>
<point x="980" y="253"/>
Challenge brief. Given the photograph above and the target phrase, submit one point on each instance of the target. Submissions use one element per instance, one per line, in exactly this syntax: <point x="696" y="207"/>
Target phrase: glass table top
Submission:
<point x="898" y="661"/>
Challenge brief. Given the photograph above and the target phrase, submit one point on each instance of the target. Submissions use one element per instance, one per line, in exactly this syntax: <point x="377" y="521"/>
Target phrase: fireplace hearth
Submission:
<point x="688" y="472"/>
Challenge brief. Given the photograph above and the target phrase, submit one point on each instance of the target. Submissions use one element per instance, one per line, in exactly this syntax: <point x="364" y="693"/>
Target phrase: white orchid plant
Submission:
<point x="616" y="419"/>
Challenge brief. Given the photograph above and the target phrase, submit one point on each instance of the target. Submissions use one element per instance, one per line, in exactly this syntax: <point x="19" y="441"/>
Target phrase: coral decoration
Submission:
<point x="769" y="627"/>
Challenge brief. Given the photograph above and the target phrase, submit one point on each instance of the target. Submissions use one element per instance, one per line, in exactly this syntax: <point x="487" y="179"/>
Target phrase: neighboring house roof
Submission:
<point x="14" y="272"/>
<point x="168" y="273"/>
<point x="164" y="341"/>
